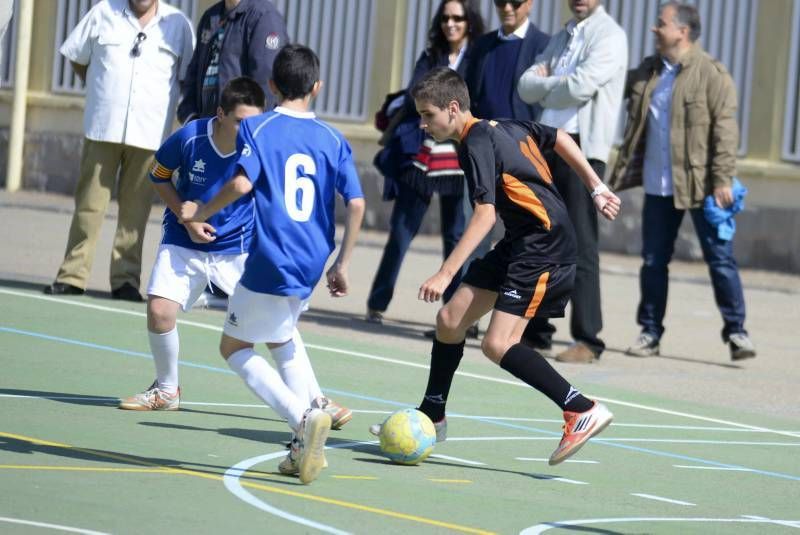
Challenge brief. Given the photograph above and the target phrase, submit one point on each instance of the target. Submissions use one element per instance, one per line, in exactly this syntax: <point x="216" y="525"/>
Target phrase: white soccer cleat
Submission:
<point x="313" y="433"/>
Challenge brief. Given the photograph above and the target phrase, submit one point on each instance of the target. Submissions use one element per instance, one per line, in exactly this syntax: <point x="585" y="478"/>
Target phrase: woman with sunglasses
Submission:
<point x="415" y="166"/>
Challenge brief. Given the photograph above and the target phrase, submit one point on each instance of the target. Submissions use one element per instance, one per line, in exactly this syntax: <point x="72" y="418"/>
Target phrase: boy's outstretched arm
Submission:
<point x="337" y="274"/>
<point x="236" y="187"/>
<point x="198" y="232"/>
<point x="480" y="224"/>
<point x="604" y="199"/>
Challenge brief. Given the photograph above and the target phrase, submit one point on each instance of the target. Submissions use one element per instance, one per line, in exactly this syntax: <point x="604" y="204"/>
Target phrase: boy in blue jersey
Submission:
<point x="529" y="273"/>
<point x="204" y="152"/>
<point x="293" y="164"/>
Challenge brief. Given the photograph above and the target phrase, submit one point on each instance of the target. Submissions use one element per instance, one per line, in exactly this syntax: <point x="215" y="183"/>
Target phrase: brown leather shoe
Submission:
<point x="577" y="353"/>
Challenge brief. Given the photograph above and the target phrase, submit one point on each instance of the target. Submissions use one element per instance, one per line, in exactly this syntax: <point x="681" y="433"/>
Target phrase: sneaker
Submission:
<point x="577" y="353"/>
<point x="374" y="316"/>
<point x="741" y="346"/>
<point x="646" y="345"/>
<point x="440" y="426"/>
<point x="152" y="399"/>
<point x="290" y="465"/>
<point x="578" y="428"/>
<point x="339" y="415"/>
<point x="313" y="433"/>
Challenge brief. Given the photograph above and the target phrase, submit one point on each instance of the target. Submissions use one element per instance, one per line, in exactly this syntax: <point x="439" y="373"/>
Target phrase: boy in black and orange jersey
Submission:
<point x="529" y="273"/>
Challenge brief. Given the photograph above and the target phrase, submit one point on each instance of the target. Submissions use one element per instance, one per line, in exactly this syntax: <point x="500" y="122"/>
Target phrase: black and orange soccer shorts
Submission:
<point x="524" y="288"/>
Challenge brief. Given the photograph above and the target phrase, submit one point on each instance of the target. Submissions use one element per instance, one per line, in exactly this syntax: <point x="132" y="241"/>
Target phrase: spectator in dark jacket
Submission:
<point x="498" y="60"/>
<point x="234" y="38"/>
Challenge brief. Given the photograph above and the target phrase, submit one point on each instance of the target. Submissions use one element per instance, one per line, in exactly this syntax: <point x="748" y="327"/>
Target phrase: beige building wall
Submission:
<point x="54" y="122"/>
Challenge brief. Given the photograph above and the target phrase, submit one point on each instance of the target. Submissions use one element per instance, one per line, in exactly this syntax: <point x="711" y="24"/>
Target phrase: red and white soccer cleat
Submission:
<point x="579" y="427"/>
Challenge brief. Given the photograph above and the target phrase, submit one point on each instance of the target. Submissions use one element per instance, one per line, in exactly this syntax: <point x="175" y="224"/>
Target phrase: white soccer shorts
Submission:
<point x="262" y="318"/>
<point x="181" y="274"/>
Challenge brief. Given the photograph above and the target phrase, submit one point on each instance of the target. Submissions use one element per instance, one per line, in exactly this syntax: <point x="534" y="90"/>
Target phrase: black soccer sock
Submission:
<point x="445" y="359"/>
<point x="528" y="365"/>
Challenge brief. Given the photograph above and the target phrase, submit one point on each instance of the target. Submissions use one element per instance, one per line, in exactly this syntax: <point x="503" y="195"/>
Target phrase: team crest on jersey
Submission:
<point x="197" y="179"/>
<point x="273" y="41"/>
<point x="199" y="166"/>
<point x="246" y="150"/>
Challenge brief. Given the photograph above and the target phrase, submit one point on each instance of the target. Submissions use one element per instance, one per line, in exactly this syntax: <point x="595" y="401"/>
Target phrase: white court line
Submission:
<point x="542" y="459"/>
<point x="457" y="459"/>
<point x="234" y="486"/>
<point x="788" y="523"/>
<point x="50" y="526"/>
<point x="453" y="416"/>
<point x="562" y="524"/>
<point x="452" y="439"/>
<point x="63" y="301"/>
<point x="656" y="440"/>
<point x="725" y="468"/>
<point x="565" y="480"/>
<point x="661" y="499"/>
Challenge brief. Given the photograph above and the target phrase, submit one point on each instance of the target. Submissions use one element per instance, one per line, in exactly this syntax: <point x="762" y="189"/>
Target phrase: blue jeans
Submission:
<point x="660" y="224"/>
<point x="407" y="214"/>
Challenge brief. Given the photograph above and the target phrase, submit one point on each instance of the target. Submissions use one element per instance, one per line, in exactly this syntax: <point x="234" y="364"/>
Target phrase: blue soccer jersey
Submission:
<point x="296" y="163"/>
<point x="202" y="171"/>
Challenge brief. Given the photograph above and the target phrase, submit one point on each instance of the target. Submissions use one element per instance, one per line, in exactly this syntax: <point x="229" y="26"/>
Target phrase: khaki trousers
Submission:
<point x="101" y="163"/>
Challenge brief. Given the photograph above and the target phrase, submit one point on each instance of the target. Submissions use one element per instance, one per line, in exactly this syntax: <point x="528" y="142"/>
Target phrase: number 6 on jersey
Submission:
<point x="293" y="183"/>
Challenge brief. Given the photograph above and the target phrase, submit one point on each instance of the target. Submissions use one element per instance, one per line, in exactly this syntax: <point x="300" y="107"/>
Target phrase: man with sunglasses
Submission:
<point x="131" y="55"/>
<point x="499" y="59"/>
<point x="579" y="80"/>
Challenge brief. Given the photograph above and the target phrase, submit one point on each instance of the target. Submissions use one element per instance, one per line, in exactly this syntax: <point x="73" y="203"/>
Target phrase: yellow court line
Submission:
<point x="267" y="488"/>
<point x="370" y="478"/>
<point x="81" y="468"/>
<point x="449" y="480"/>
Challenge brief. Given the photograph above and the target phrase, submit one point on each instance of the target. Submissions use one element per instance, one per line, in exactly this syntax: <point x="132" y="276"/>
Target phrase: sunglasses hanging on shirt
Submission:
<point x="136" y="51"/>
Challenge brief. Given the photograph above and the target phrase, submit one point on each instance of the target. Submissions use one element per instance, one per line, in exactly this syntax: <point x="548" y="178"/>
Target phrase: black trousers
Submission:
<point x="586" y="319"/>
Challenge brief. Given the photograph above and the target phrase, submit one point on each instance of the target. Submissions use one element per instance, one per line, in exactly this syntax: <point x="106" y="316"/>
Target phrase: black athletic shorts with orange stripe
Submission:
<point x="524" y="288"/>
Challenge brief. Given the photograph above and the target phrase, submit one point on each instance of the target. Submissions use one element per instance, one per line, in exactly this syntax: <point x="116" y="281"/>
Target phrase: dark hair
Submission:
<point x="686" y="16"/>
<point x="295" y="71"/>
<point x="438" y="47"/>
<point x="241" y="91"/>
<point x="440" y="86"/>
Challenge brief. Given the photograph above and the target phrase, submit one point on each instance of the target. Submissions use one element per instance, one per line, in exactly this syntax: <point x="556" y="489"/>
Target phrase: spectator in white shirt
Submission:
<point x="131" y="54"/>
<point x="579" y="80"/>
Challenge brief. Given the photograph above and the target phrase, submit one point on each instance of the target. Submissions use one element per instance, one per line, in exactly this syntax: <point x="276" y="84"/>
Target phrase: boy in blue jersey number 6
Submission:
<point x="294" y="164"/>
<point x="529" y="273"/>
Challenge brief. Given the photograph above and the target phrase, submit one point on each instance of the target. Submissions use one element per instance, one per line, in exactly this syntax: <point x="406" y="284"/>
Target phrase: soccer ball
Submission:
<point x="407" y="437"/>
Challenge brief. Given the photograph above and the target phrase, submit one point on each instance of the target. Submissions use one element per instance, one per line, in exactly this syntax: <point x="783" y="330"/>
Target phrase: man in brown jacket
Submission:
<point x="680" y="144"/>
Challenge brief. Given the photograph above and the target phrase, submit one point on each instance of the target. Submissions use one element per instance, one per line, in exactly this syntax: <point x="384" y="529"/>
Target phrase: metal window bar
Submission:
<point x="70" y="12"/>
<point x="791" y="123"/>
<point x="341" y="32"/>
<point x="8" y="49"/>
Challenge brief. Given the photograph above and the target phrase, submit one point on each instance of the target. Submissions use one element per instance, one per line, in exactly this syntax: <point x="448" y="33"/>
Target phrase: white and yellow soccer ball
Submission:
<point x="407" y="437"/>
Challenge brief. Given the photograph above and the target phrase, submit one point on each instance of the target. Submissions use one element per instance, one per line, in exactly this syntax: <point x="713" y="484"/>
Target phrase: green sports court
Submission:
<point x="71" y="461"/>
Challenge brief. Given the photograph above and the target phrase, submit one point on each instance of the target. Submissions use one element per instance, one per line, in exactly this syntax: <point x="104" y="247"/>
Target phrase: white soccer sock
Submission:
<point x="300" y="354"/>
<point x="265" y="383"/>
<point x="295" y="368"/>
<point x="164" y="348"/>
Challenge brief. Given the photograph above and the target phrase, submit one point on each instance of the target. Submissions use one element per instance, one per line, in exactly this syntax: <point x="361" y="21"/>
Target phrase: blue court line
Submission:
<point x="397" y="404"/>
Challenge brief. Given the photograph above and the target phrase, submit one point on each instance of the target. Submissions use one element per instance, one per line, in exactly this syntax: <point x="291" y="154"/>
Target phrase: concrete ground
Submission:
<point x="694" y="365"/>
